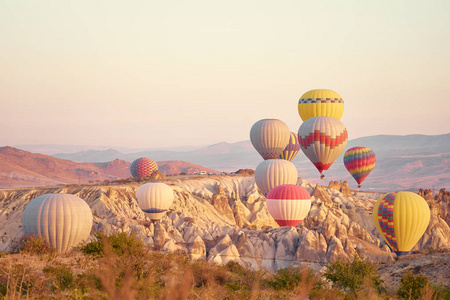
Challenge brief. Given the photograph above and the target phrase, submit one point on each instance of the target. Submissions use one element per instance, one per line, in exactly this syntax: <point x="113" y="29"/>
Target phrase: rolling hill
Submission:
<point x="19" y="168"/>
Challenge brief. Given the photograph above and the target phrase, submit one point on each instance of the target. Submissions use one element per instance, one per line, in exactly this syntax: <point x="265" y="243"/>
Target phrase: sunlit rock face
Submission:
<point x="225" y="218"/>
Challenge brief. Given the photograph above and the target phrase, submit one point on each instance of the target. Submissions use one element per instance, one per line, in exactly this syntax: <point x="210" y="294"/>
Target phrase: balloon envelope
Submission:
<point x="269" y="137"/>
<point x="63" y="220"/>
<point x="274" y="172"/>
<point x="143" y="167"/>
<point x="291" y="149"/>
<point x="359" y="161"/>
<point x="322" y="139"/>
<point x="401" y="218"/>
<point x="288" y="204"/>
<point x="154" y="199"/>
<point x="320" y="103"/>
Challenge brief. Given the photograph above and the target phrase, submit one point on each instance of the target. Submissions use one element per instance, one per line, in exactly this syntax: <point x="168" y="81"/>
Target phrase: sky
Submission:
<point x="171" y="73"/>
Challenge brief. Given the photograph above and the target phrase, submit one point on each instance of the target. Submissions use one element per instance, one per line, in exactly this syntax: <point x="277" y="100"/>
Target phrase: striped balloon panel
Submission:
<point x="155" y="199"/>
<point x="143" y="167"/>
<point x="401" y="218"/>
<point x="322" y="139"/>
<point x="320" y="103"/>
<point x="64" y="220"/>
<point x="274" y="172"/>
<point x="291" y="149"/>
<point x="269" y="137"/>
<point x="359" y="161"/>
<point x="288" y="204"/>
<point x="385" y="218"/>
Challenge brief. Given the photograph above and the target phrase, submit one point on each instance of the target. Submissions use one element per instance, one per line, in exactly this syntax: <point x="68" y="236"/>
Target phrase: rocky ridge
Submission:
<point x="223" y="218"/>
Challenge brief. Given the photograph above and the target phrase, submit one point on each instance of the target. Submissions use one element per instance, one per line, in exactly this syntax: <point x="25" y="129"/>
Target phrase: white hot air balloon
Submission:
<point x="269" y="137"/>
<point x="64" y="220"/>
<point x="274" y="172"/>
<point x="154" y="199"/>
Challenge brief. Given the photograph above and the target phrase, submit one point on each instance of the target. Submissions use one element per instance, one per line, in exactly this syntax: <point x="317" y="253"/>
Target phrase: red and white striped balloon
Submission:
<point x="288" y="204"/>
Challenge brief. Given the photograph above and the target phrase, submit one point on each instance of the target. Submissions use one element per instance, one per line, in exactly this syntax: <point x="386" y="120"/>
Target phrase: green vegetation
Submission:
<point x="34" y="245"/>
<point x="120" y="243"/>
<point x="418" y="287"/>
<point x="62" y="277"/>
<point x="353" y="276"/>
<point x="120" y="266"/>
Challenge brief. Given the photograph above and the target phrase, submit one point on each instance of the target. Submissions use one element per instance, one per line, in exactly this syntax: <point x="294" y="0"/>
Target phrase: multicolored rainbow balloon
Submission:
<point x="359" y="162"/>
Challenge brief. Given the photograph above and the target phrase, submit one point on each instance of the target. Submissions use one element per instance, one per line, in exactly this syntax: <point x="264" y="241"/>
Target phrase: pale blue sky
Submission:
<point x="170" y="73"/>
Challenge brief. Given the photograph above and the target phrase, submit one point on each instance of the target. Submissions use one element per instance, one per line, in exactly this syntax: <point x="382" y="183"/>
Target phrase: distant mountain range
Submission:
<point x="51" y="149"/>
<point x="403" y="162"/>
<point x="19" y="168"/>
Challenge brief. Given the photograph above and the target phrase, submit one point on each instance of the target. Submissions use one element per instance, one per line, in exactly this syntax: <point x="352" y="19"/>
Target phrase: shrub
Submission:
<point x="16" y="280"/>
<point x="290" y="278"/>
<point x="123" y="262"/>
<point x="121" y="244"/>
<point x="243" y="279"/>
<point x="3" y="289"/>
<point x="34" y="244"/>
<point x="351" y="276"/>
<point x="63" y="277"/>
<point x="442" y="292"/>
<point x="94" y="247"/>
<point x="411" y="287"/>
<point x="237" y="268"/>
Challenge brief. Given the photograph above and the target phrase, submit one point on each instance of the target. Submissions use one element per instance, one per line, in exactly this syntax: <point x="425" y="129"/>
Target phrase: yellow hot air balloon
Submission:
<point x="269" y="137"/>
<point x="154" y="199"/>
<point x="274" y="172"/>
<point x="291" y="149"/>
<point x="322" y="139"/>
<point x="64" y="220"/>
<point x="320" y="103"/>
<point x="401" y="218"/>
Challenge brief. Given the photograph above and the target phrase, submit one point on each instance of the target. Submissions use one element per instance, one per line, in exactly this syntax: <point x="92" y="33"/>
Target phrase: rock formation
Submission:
<point x="341" y="187"/>
<point x="224" y="218"/>
<point x="248" y="172"/>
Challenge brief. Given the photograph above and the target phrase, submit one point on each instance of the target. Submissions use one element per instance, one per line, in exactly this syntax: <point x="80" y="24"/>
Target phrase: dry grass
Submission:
<point x="125" y="269"/>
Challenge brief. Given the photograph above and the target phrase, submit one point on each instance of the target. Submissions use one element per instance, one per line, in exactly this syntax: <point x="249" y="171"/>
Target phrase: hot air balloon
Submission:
<point x="320" y="103"/>
<point x="63" y="220"/>
<point x="155" y="199"/>
<point x="359" y="161"/>
<point x="274" y="172"/>
<point x="291" y="149"/>
<point x="143" y="167"/>
<point x="269" y="137"/>
<point x="401" y="218"/>
<point x="322" y="139"/>
<point x="288" y="204"/>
